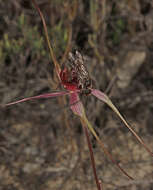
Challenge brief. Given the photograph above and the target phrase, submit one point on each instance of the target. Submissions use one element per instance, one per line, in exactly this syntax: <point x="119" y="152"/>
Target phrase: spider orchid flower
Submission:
<point x="74" y="84"/>
<point x="78" y="109"/>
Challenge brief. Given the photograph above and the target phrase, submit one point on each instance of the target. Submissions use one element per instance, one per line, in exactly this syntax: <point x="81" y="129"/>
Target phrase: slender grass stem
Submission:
<point x="98" y="183"/>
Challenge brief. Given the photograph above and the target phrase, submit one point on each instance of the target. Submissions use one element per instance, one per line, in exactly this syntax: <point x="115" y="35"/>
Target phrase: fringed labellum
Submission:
<point x="75" y="76"/>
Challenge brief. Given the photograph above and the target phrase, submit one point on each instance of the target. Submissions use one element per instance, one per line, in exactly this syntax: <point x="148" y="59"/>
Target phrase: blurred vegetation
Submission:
<point x="27" y="37"/>
<point x="40" y="143"/>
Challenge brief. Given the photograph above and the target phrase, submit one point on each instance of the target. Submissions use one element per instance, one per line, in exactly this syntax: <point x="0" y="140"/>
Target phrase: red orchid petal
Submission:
<point x="100" y="95"/>
<point x="70" y="87"/>
<point x="76" y="104"/>
<point x="48" y="95"/>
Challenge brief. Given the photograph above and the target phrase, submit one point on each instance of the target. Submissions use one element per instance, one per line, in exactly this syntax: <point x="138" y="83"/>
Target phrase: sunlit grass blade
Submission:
<point x="57" y="66"/>
<point x="105" y="99"/>
<point x="85" y="120"/>
<point x="48" y="95"/>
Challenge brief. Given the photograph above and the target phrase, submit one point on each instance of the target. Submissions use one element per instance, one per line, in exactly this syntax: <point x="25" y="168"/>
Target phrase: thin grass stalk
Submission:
<point x="68" y="47"/>
<point x="99" y="184"/>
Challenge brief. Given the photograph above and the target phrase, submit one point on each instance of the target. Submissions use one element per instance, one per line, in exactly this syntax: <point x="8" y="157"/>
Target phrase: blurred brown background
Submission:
<point x="42" y="145"/>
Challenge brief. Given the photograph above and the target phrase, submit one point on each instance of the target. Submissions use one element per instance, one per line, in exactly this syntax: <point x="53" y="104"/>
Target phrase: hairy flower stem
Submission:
<point x="57" y="67"/>
<point x="99" y="184"/>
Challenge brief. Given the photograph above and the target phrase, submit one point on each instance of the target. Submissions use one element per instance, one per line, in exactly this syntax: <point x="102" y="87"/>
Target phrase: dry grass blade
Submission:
<point x="68" y="47"/>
